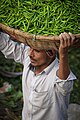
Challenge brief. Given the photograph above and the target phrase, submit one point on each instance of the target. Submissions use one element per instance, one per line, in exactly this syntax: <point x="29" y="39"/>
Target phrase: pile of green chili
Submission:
<point x="48" y="17"/>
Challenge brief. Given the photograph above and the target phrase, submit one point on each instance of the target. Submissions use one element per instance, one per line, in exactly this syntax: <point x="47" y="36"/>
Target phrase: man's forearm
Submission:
<point x="66" y="41"/>
<point x="64" y="69"/>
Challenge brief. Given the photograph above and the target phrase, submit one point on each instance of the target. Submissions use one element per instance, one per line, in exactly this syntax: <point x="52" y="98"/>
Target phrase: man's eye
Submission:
<point x="37" y="50"/>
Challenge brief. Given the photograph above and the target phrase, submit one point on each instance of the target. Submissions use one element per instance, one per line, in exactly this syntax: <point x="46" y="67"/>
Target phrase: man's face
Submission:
<point x="39" y="58"/>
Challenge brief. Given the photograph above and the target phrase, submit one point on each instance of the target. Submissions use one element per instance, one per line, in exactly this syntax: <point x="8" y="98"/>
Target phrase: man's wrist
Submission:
<point x="63" y="55"/>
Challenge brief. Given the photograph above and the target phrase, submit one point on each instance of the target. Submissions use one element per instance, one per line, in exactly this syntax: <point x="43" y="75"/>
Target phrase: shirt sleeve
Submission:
<point x="65" y="86"/>
<point x="13" y="50"/>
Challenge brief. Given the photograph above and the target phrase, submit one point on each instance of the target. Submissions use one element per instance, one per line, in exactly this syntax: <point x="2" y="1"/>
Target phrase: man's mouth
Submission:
<point x="32" y="60"/>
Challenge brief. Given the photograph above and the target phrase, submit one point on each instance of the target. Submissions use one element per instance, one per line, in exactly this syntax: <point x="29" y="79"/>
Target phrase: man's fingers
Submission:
<point x="65" y="39"/>
<point x="72" y="36"/>
<point x="61" y="39"/>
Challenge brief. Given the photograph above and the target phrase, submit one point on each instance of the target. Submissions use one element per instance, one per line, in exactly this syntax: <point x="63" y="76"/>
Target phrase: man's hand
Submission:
<point x="66" y="41"/>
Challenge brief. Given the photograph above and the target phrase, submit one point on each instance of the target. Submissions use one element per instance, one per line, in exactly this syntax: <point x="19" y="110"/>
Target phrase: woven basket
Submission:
<point x="35" y="41"/>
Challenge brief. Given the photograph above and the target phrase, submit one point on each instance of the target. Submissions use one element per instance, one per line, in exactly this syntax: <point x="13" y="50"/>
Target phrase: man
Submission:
<point x="46" y="81"/>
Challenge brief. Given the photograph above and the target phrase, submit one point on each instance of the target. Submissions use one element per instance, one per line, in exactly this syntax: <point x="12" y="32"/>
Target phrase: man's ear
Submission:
<point x="51" y="53"/>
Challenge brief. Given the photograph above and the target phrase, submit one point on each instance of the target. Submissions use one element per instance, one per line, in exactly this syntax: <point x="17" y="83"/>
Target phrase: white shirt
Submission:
<point x="45" y="96"/>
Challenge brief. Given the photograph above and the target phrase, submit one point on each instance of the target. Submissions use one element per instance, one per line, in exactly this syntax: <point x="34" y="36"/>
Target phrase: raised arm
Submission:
<point x="11" y="49"/>
<point x="66" y="41"/>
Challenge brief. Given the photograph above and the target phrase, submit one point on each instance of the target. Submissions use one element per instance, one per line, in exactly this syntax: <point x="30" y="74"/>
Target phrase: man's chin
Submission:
<point x="33" y="64"/>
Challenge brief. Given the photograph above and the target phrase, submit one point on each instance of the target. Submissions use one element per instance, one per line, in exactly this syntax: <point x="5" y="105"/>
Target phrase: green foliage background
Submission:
<point x="46" y="17"/>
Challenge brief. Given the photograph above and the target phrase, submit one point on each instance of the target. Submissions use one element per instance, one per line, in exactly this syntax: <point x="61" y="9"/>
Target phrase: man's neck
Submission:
<point x="39" y="69"/>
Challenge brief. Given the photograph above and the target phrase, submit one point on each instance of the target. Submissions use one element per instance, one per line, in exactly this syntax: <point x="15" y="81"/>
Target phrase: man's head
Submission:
<point x="41" y="58"/>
